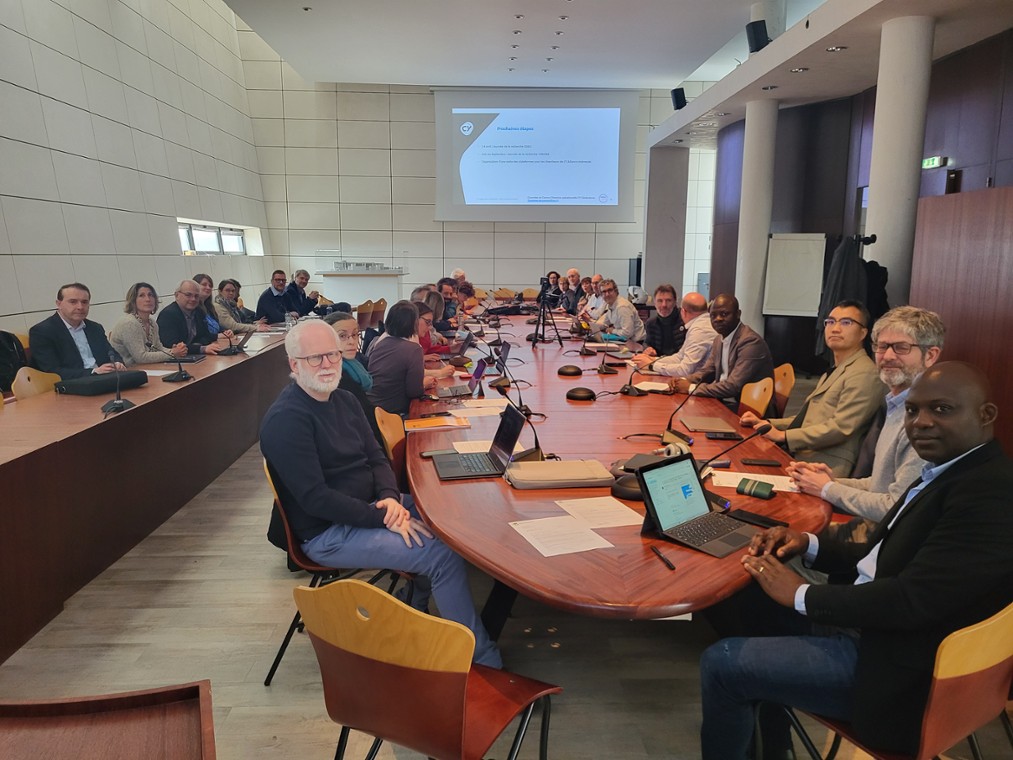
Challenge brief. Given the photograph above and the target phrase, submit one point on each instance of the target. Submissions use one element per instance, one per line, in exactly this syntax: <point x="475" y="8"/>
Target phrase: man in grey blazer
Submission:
<point x="835" y="416"/>
<point x="739" y="356"/>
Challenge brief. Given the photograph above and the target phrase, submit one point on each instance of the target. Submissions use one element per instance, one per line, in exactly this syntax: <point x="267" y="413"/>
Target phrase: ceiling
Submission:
<point x="556" y="43"/>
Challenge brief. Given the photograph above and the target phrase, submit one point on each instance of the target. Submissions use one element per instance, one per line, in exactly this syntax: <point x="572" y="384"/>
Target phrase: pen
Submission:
<point x="663" y="558"/>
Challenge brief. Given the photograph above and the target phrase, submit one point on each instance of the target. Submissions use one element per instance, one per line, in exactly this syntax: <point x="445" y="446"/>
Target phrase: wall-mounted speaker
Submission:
<point x="756" y="35"/>
<point x="678" y="98"/>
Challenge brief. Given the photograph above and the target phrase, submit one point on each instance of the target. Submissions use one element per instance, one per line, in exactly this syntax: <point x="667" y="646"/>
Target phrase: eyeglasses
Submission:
<point x="349" y="335"/>
<point x="843" y="322"/>
<point x="901" y="348"/>
<point x="187" y="295"/>
<point x="608" y="290"/>
<point x="427" y="320"/>
<point x="315" y="360"/>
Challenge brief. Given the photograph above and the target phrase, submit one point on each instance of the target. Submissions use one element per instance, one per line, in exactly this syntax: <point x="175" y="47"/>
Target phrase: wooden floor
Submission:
<point x="206" y="596"/>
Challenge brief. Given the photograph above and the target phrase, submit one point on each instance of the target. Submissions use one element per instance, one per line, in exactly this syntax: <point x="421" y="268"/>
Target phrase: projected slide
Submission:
<point x="536" y="156"/>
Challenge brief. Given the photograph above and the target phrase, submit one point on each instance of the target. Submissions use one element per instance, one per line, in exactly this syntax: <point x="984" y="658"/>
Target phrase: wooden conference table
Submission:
<point x="627" y="581"/>
<point x="79" y="492"/>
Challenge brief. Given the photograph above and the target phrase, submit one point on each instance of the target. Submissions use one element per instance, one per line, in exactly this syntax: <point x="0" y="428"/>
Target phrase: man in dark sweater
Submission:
<point x="665" y="330"/>
<point x="339" y="491"/>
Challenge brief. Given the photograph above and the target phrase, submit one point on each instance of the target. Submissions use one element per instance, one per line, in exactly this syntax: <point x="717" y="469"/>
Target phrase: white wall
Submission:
<point x="117" y="116"/>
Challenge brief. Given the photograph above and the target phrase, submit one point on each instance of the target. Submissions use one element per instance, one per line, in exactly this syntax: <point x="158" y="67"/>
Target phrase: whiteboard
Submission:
<point x="794" y="280"/>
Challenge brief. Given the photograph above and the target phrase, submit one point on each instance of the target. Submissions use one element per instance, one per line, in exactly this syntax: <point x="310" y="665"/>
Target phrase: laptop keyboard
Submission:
<point x="704" y="529"/>
<point x="476" y="462"/>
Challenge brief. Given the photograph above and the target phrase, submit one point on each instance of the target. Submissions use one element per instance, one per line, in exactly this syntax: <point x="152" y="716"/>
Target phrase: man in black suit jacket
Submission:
<point x="296" y="299"/>
<point x="184" y="321"/>
<point x="939" y="561"/>
<point x="68" y="343"/>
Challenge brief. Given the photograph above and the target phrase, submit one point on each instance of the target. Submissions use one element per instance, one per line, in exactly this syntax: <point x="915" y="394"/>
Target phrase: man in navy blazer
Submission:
<point x="68" y="343"/>
<point x="296" y="299"/>
<point x="864" y="652"/>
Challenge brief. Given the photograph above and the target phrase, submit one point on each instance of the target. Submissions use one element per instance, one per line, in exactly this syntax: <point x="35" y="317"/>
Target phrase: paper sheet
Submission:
<point x="601" y="512"/>
<point x="159" y="372"/>
<point x="731" y="480"/>
<point x="478" y="447"/>
<point x="652" y="386"/>
<point x="478" y="411"/>
<point x="475" y="403"/>
<point x="552" y="536"/>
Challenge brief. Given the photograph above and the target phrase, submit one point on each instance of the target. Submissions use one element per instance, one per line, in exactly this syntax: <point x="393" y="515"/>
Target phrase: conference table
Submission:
<point x="627" y="581"/>
<point x="80" y="491"/>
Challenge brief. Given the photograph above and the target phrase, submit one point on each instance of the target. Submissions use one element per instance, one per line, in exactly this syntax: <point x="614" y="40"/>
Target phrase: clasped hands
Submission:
<point x="751" y="420"/>
<point x="764" y="561"/>
<point x="399" y="520"/>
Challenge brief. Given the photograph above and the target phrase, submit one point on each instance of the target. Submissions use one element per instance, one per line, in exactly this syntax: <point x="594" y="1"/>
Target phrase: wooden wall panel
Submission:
<point x="962" y="268"/>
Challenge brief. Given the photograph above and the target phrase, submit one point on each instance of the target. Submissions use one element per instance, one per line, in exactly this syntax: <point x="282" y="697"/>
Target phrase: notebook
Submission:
<point x="675" y="500"/>
<point x="490" y="463"/>
<point x="464" y="390"/>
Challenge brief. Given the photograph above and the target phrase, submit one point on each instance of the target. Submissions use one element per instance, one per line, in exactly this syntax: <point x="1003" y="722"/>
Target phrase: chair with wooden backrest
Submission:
<point x="23" y="339"/>
<point x="481" y="294"/>
<point x="392" y="429"/>
<point x="971" y="684"/>
<point x="379" y="309"/>
<point x="321" y="575"/>
<point x="529" y="294"/>
<point x="33" y="382"/>
<point x="503" y="294"/>
<point x="755" y="397"/>
<point x="364" y="313"/>
<point x="784" y="382"/>
<point x="375" y="652"/>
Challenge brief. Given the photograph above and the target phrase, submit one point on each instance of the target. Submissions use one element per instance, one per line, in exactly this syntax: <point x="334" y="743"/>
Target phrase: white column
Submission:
<point x="773" y="13"/>
<point x="898" y="136"/>
<point x="755" y="208"/>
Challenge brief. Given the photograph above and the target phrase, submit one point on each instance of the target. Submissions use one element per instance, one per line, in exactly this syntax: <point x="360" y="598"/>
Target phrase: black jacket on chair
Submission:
<point x="54" y="350"/>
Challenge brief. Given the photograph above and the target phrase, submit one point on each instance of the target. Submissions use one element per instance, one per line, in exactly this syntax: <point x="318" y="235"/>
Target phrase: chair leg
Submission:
<point x="543" y="744"/>
<point x="972" y="742"/>
<point x="371" y="755"/>
<point x="515" y="748"/>
<point x="1004" y="716"/>
<point x="804" y="736"/>
<point x="339" y="753"/>
<point x="296" y="622"/>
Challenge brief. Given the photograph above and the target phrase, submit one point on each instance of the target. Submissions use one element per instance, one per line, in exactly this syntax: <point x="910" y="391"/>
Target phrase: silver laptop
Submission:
<point x="675" y="500"/>
<point x="486" y="464"/>
<point x="699" y="423"/>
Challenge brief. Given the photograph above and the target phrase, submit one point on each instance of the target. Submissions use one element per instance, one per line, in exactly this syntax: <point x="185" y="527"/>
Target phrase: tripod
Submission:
<point x="544" y="317"/>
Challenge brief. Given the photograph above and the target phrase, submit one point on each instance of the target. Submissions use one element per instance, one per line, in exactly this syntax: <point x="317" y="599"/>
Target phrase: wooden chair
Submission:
<point x="363" y="314"/>
<point x="503" y="294"/>
<point x="379" y="309"/>
<point x="755" y="397"/>
<point x="971" y="683"/>
<point x="23" y="339"/>
<point x="170" y="722"/>
<point x="321" y="575"/>
<point x="784" y="382"/>
<point x="375" y="652"/>
<point x="529" y="294"/>
<point x="481" y="294"/>
<point x="33" y="382"/>
<point x="392" y="429"/>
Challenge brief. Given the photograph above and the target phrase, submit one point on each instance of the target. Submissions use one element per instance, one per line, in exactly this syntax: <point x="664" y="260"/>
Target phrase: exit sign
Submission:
<point x="934" y="162"/>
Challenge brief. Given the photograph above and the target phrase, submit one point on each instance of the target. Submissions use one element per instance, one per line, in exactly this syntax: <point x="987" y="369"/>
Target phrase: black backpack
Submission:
<point x="12" y="358"/>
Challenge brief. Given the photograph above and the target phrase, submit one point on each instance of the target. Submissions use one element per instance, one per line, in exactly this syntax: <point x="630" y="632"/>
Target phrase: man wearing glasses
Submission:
<point x="183" y="322"/>
<point x="618" y="318"/>
<point x="340" y="493"/>
<point x="835" y="416"/>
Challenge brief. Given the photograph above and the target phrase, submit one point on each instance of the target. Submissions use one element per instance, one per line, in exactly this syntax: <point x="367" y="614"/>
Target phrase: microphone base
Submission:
<point x="494" y="343"/>
<point x="116" y="406"/>
<point x="177" y="377"/>
<point x="525" y="410"/>
<point x="587" y="352"/>
<point x="630" y="390"/>
<point x="500" y="382"/>
<point x="605" y="370"/>
<point x="672" y="436"/>
<point x="529" y="455"/>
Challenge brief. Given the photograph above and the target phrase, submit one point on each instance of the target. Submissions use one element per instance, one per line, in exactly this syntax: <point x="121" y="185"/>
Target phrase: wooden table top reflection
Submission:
<point x="627" y="581"/>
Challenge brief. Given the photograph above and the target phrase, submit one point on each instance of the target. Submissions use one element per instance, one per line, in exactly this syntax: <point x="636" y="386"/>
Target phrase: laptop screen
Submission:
<point x="507" y="435"/>
<point x="476" y="375"/>
<point x="675" y="491"/>
<point x="504" y="354"/>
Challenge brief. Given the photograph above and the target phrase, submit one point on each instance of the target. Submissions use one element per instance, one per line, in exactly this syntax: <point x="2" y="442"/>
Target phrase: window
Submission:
<point x="208" y="239"/>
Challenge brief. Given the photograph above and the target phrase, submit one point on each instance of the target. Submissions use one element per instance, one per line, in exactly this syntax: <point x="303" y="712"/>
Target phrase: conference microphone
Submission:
<point x="502" y="389"/>
<point x="180" y="375"/>
<point x="760" y="429"/>
<point x="670" y="435"/>
<point x="118" y="404"/>
<point x="629" y="389"/>
<point x="604" y="368"/>
<point x="533" y="454"/>
<point x="584" y="350"/>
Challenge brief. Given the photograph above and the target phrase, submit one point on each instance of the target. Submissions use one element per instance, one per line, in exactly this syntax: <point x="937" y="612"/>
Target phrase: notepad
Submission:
<point x="434" y="423"/>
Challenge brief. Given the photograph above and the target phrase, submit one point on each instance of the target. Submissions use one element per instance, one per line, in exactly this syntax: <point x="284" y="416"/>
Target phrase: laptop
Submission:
<point x="675" y="500"/>
<point x="699" y="423"/>
<point x="237" y="348"/>
<point x="488" y="464"/>
<point x="461" y="347"/>
<point x="453" y="391"/>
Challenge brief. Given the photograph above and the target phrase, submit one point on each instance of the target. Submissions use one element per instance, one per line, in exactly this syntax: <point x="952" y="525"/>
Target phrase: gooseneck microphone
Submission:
<point x="502" y="388"/>
<point x="118" y="404"/>
<point x="180" y="375"/>
<point x="760" y="429"/>
<point x="584" y="350"/>
<point x="528" y="455"/>
<point x="631" y="390"/>
<point x="670" y="434"/>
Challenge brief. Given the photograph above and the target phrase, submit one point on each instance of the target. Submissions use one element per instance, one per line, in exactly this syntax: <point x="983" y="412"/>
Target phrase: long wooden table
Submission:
<point x="627" y="581"/>
<point x="79" y="491"/>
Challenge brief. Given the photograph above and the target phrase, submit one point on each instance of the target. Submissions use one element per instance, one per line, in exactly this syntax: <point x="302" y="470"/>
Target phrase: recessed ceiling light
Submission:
<point x="693" y="133"/>
<point x="799" y="70"/>
<point x="307" y="8"/>
<point x="545" y="71"/>
<point x="513" y="58"/>
<point x="677" y="141"/>
<point x="519" y="16"/>
<point x="514" y="47"/>
<point x="518" y="31"/>
<point x="769" y="87"/>
<point x="554" y="47"/>
<point x="550" y="59"/>
<point x="707" y="124"/>
<point x="836" y="48"/>
<point x="511" y="69"/>
<point x="559" y="34"/>
<point x="563" y="18"/>
<point x="721" y="113"/>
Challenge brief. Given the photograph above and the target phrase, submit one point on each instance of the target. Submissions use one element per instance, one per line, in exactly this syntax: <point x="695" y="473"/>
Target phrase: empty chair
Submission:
<point x="503" y="294"/>
<point x="529" y="294"/>
<point x="375" y="652"/>
<point x="364" y="313"/>
<point x="392" y="429"/>
<point x="970" y="686"/>
<point x="481" y="294"/>
<point x="379" y="309"/>
<point x="784" y="382"/>
<point x="755" y="397"/>
<point x="33" y="382"/>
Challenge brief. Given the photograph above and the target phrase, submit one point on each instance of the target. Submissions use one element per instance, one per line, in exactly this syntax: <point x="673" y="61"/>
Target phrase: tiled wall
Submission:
<point x="117" y="116"/>
<point x="351" y="168"/>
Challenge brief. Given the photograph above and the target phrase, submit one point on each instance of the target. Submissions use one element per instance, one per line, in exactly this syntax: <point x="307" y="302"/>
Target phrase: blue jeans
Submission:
<point x="814" y="673"/>
<point x="443" y="570"/>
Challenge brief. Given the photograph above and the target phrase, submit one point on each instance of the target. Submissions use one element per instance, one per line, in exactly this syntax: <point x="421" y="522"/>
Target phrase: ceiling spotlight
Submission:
<point x="519" y="16"/>
<point x="836" y="48"/>
<point x="799" y="70"/>
<point x="550" y="59"/>
<point x="513" y="58"/>
<point x="721" y="113"/>
<point x="559" y="34"/>
<point x="307" y="8"/>
<point x="545" y="71"/>
<point x="518" y="31"/>
<point x="511" y="69"/>
<point x="553" y="47"/>
<point x="514" y="47"/>
<point x="769" y="87"/>
<point x="677" y="141"/>
<point x="563" y="18"/>
<point x="707" y="124"/>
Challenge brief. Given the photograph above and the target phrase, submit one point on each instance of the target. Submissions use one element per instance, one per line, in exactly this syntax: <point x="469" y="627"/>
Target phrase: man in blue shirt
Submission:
<point x="68" y="343"/>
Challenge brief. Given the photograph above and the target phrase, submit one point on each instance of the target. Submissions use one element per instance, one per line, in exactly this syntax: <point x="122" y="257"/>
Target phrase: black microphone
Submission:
<point x="180" y="375"/>
<point x="117" y="404"/>
<point x="629" y="389"/>
<point x="760" y="429"/>
<point x="670" y="434"/>
<point x="584" y="350"/>
<point x="528" y="455"/>
<point x="502" y="388"/>
<point x="604" y="368"/>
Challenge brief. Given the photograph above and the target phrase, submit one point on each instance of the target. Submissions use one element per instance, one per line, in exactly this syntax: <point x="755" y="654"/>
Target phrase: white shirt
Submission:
<point x="77" y="334"/>
<point x="693" y="355"/>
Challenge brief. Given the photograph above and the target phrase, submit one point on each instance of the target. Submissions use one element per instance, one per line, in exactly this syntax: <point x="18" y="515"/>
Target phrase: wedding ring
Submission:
<point x="761" y="568"/>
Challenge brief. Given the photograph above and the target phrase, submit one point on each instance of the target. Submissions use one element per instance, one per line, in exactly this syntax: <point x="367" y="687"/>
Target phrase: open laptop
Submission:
<point x="237" y="348"/>
<point x="453" y="391"/>
<point x="675" y="500"/>
<point x="484" y="465"/>
<point x="461" y="346"/>
<point x="188" y="359"/>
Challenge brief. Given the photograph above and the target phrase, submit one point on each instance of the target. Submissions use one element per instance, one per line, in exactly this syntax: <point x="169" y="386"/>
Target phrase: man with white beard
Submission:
<point x="339" y="491"/>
